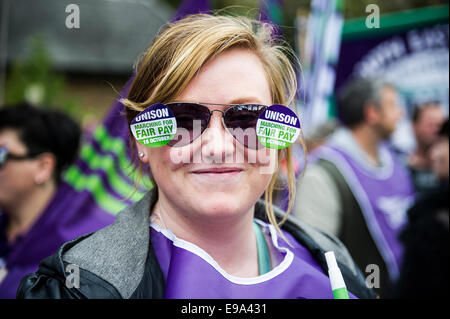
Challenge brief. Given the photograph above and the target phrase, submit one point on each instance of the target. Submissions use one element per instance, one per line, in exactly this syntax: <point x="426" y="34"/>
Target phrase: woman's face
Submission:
<point x="216" y="176"/>
<point x="16" y="176"/>
<point x="440" y="158"/>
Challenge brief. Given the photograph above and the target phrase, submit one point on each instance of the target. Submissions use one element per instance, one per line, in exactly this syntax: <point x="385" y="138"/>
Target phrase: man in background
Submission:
<point x="424" y="272"/>
<point x="426" y="121"/>
<point x="36" y="217"/>
<point x="357" y="189"/>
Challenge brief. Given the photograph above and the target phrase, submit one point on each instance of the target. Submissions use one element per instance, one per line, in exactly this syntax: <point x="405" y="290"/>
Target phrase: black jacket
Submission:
<point x="424" y="272"/>
<point x="119" y="262"/>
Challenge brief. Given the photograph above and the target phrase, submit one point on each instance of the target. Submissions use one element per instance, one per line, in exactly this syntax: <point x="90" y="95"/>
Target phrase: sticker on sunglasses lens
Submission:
<point x="155" y="126"/>
<point x="277" y="127"/>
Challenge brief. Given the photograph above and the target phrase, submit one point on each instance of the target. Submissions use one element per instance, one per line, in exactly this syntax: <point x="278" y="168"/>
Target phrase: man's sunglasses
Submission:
<point x="239" y="119"/>
<point x="5" y="156"/>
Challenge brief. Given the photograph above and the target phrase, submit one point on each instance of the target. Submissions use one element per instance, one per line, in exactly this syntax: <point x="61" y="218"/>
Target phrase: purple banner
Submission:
<point x="409" y="50"/>
<point x="188" y="7"/>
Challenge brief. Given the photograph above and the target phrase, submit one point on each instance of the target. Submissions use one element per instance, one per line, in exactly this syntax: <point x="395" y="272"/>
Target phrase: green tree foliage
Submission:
<point x="34" y="80"/>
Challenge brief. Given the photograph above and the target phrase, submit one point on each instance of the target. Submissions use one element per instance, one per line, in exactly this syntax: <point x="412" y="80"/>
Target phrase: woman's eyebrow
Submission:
<point x="243" y="100"/>
<point x="240" y="100"/>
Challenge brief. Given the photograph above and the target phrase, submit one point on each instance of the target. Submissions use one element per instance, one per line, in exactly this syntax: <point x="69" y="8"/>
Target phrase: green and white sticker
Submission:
<point x="155" y="126"/>
<point x="278" y="127"/>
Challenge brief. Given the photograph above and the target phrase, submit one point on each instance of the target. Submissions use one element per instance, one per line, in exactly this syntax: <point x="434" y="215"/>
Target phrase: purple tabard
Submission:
<point x="191" y="273"/>
<point x="384" y="195"/>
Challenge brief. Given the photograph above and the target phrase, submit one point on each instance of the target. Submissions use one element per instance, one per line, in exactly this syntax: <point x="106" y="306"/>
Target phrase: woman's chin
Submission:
<point x="219" y="208"/>
<point x="217" y="182"/>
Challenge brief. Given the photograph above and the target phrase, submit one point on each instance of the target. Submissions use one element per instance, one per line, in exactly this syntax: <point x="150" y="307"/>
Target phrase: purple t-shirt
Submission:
<point x="191" y="273"/>
<point x="62" y="220"/>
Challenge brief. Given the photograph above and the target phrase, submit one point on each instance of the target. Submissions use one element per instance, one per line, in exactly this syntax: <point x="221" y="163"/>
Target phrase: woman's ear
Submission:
<point x="142" y="152"/>
<point x="46" y="165"/>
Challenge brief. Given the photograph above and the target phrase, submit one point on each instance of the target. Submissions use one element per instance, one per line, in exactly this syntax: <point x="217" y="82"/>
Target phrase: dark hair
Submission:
<point x="443" y="132"/>
<point x="417" y="111"/>
<point x="44" y="130"/>
<point x="353" y="96"/>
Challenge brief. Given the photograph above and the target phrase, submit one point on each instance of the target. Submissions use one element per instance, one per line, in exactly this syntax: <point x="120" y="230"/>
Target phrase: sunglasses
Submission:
<point x="193" y="118"/>
<point x="5" y="156"/>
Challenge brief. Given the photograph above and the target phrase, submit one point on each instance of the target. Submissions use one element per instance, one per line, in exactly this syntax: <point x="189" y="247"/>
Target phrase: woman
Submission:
<point x="36" y="146"/>
<point x="204" y="240"/>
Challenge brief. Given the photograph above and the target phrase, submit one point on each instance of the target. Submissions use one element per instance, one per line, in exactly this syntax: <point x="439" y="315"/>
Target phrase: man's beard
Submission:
<point x="385" y="133"/>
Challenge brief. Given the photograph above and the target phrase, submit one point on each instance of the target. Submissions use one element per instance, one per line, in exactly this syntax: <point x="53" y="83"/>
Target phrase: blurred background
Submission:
<point x="82" y="68"/>
<point x="78" y="56"/>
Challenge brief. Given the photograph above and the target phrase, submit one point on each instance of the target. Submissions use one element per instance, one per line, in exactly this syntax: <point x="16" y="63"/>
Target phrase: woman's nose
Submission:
<point x="217" y="144"/>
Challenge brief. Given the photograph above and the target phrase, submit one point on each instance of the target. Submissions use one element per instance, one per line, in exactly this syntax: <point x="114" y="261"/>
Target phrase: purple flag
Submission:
<point x="271" y="12"/>
<point x="188" y="7"/>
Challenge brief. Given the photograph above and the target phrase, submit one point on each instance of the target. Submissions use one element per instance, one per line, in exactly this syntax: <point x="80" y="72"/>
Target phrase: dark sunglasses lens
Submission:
<point x="3" y="155"/>
<point x="192" y="119"/>
<point x="241" y="123"/>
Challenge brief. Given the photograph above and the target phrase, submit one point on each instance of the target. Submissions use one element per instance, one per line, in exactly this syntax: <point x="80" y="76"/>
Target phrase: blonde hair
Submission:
<point x="183" y="47"/>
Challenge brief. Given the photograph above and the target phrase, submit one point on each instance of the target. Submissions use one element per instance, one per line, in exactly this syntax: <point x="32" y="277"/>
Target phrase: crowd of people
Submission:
<point x="361" y="189"/>
<point x="210" y="229"/>
<point x="36" y="146"/>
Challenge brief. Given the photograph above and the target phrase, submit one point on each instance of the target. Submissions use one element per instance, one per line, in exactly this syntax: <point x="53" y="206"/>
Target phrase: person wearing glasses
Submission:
<point x="36" y="145"/>
<point x="202" y="231"/>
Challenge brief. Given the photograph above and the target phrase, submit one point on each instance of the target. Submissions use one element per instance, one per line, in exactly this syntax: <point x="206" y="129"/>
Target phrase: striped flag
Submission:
<point x="104" y="170"/>
<point x="94" y="189"/>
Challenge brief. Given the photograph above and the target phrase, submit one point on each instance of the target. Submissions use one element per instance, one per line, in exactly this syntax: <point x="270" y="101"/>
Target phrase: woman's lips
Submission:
<point x="218" y="174"/>
<point x="218" y="170"/>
